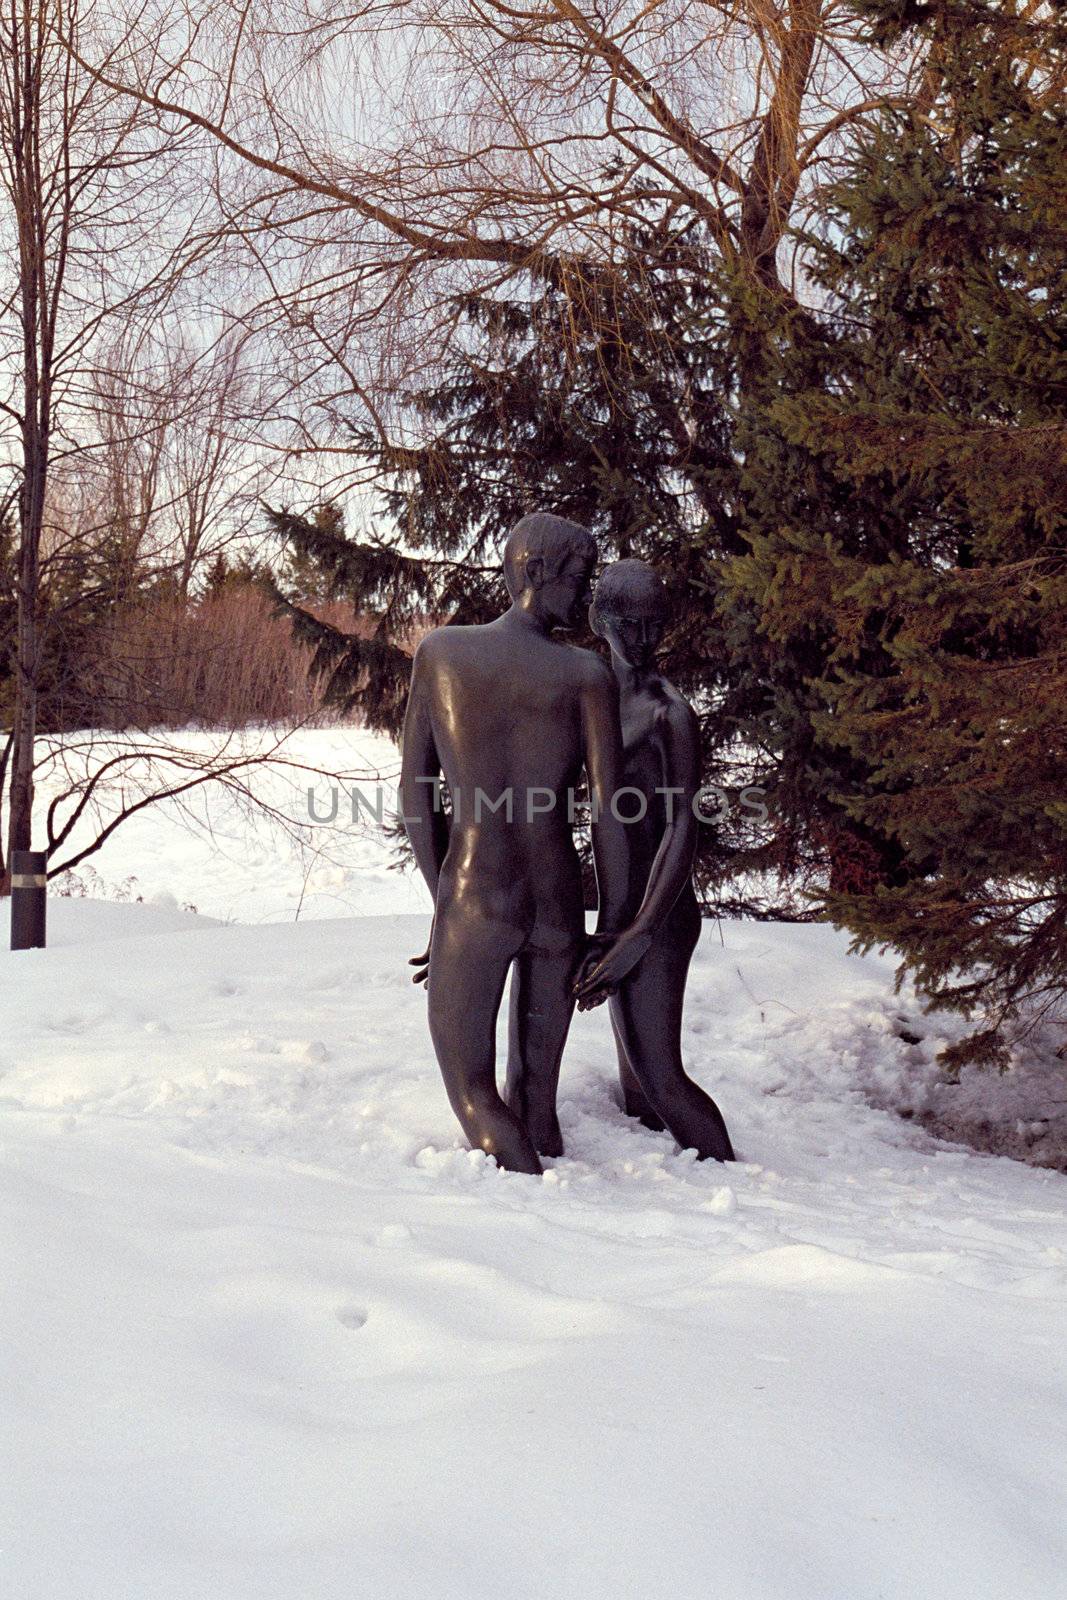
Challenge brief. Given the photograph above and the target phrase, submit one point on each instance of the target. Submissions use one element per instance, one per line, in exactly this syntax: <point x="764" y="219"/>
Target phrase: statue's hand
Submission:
<point x="421" y="965"/>
<point x="601" y="974"/>
<point x="597" y="946"/>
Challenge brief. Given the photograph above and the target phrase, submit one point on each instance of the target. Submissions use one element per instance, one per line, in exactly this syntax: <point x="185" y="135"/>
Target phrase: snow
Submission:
<point x="209" y="849"/>
<point x="1019" y="1112"/>
<point x="271" y="1330"/>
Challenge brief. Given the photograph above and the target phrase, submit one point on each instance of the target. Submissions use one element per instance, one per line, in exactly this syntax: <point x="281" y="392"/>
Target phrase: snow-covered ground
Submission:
<point x="269" y="1329"/>
<point x="208" y="848"/>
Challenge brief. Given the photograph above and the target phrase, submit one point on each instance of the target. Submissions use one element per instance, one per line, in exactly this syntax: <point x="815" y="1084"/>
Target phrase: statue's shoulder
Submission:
<point x="590" y="670"/>
<point x="443" y="641"/>
<point x="674" y="714"/>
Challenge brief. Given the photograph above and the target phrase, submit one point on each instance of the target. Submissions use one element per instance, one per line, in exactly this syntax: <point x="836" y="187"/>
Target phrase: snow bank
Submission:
<point x="213" y="849"/>
<point x="270" y="1329"/>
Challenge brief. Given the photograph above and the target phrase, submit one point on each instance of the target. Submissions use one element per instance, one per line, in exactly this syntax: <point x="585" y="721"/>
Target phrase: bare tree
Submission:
<point x="175" y="475"/>
<point x="95" y="782"/>
<point x="213" y="472"/>
<point x="75" y="160"/>
<point x="377" y="161"/>
<point x="99" y="230"/>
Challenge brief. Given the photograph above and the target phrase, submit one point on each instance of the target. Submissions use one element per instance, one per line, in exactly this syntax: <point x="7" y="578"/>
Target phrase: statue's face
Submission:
<point x="634" y="639"/>
<point x="564" y="598"/>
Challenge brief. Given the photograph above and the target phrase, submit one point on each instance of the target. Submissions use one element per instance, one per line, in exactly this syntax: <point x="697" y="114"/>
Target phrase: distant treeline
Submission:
<point x="222" y="658"/>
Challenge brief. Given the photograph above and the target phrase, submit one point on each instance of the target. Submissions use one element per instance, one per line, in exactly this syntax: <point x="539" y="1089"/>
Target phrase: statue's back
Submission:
<point x="506" y="709"/>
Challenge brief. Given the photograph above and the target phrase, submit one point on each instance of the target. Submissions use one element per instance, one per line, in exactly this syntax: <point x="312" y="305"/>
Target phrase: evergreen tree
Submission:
<point x="396" y="595"/>
<point x="905" y="489"/>
<point x="858" y="511"/>
<point x="613" y="407"/>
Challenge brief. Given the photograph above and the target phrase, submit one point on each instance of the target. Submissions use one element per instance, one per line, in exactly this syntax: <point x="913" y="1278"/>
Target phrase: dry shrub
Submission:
<point x="223" y="661"/>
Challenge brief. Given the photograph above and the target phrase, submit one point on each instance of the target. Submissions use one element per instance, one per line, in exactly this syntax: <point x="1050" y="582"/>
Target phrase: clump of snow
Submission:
<point x="1020" y="1112"/>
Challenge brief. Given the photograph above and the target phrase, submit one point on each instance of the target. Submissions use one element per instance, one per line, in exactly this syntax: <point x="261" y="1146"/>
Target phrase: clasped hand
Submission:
<point x="607" y="961"/>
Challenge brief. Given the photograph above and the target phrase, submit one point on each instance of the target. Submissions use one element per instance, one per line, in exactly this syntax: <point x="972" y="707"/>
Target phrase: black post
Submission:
<point x="28" y="881"/>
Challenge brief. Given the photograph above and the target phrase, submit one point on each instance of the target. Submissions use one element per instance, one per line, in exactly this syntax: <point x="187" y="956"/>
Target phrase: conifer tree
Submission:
<point x="614" y="408"/>
<point x="395" y="593"/>
<point x="905" y="495"/>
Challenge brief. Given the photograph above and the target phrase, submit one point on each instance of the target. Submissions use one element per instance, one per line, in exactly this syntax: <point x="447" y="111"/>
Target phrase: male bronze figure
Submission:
<point x="510" y="715"/>
<point x="644" y="971"/>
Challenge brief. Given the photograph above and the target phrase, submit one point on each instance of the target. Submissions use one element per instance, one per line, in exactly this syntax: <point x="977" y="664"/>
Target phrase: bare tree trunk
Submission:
<point x="27" y="39"/>
<point x="774" y="170"/>
<point x="5" y="757"/>
<point x="26" y="649"/>
<point x="31" y="518"/>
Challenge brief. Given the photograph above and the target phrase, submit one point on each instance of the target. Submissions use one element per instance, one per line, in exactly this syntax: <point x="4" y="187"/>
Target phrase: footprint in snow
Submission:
<point x="71" y="1022"/>
<point x="352" y="1316"/>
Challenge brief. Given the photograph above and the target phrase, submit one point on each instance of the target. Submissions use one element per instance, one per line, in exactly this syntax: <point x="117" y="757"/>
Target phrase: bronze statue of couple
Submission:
<point x="509" y="717"/>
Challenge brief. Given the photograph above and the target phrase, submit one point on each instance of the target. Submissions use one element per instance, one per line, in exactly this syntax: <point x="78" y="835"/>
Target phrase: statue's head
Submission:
<point x="548" y="564"/>
<point x="629" y="611"/>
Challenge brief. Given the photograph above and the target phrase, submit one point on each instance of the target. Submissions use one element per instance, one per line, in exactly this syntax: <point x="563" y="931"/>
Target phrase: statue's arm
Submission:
<point x="672" y="868"/>
<point x="604" y="969"/>
<point x="420" y="771"/>
<point x="603" y="765"/>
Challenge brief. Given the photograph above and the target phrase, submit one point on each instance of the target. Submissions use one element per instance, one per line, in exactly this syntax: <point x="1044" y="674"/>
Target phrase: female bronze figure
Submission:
<point x="642" y="972"/>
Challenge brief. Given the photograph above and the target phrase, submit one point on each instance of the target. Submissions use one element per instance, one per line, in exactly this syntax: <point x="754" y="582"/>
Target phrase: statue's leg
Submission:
<point x="635" y="1101"/>
<point x="647" y="1015"/>
<point x="469" y="961"/>
<point x="542" y="1004"/>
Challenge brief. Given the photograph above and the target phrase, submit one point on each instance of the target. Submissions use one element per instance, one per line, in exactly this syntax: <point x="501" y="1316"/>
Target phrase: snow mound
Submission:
<point x="271" y="1329"/>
